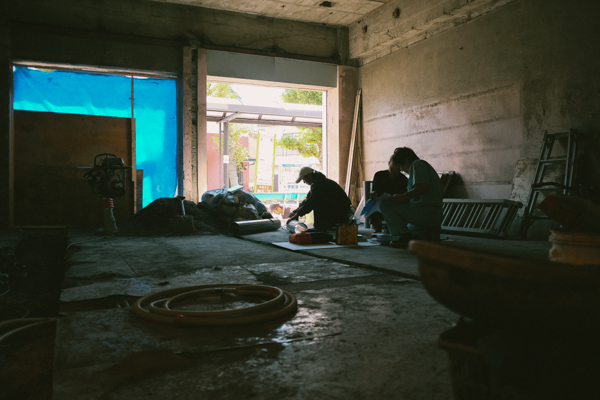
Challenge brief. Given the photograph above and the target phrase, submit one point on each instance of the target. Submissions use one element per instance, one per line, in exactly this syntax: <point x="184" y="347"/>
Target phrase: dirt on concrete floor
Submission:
<point x="32" y="273"/>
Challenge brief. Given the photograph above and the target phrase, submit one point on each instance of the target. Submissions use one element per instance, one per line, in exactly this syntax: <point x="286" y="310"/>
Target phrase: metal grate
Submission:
<point x="484" y="216"/>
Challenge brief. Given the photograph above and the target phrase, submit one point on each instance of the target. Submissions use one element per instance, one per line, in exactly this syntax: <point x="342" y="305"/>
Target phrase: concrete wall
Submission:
<point x="149" y="35"/>
<point x="270" y="71"/>
<point x="5" y="104"/>
<point x="152" y="36"/>
<point x="477" y="98"/>
<point x="402" y="23"/>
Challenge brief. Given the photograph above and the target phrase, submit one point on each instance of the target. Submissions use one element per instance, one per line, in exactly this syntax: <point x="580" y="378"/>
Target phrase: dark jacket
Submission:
<point x="329" y="202"/>
<point x="383" y="182"/>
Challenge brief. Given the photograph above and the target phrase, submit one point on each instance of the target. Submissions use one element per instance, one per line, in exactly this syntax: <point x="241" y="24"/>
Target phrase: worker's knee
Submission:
<point x="386" y="207"/>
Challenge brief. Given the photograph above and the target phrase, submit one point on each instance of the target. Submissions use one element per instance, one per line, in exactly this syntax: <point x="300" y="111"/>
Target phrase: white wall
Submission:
<point x="262" y="70"/>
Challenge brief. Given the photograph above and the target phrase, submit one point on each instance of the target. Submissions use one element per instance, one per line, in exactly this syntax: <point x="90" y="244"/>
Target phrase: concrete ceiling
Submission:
<point x="336" y="12"/>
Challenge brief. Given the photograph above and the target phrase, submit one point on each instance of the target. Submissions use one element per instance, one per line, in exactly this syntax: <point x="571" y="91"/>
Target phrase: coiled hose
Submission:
<point x="159" y="306"/>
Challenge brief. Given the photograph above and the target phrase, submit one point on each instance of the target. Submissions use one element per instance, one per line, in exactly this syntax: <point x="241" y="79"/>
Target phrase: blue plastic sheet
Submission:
<point x="155" y="112"/>
<point x="156" y="140"/>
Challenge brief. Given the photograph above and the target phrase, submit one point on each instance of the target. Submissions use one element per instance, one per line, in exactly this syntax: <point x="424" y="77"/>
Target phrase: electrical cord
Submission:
<point x="158" y="306"/>
<point x="12" y="326"/>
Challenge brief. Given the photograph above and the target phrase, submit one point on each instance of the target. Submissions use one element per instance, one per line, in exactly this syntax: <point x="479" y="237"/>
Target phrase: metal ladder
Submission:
<point x="488" y="217"/>
<point x="546" y="160"/>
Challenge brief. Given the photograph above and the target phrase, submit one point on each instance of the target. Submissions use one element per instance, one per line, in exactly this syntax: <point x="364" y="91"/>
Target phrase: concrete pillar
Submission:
<point x="226" y="155"/>
<point x="194" y="159"/>
<point x="194" y="165"/>
<point x="340" y="113"/>
<point x="5" y="124"/>
<point x="201" y="118"/>
<point x="189" y="131"/>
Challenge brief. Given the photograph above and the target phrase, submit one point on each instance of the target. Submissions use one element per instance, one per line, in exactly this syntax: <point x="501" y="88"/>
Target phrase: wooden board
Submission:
<point x="331" y="245"/>
<point x="49" y="188"/>
<point x="139" y="189"/>
<point x="354" y="176"/>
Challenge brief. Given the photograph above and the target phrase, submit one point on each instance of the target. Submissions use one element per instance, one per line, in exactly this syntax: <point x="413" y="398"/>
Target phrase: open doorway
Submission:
<point x="259" y="137"/>
<point x="149" y="99"/>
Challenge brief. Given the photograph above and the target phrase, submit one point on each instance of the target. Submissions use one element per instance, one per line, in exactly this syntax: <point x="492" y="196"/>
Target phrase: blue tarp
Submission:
<point x="155" y="112"/>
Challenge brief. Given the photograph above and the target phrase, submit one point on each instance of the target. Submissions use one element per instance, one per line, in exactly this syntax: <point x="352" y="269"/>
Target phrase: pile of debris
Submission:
<point x="157" y="219"/>
<point x="212" y="215"/>
<point x="235" y="204"/>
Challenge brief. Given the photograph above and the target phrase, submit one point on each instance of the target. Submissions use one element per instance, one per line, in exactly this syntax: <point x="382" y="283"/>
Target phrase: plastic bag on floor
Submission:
<point x="234" y="202"/>
<point x="246" y="212"/>
<point x="249" y="198"/>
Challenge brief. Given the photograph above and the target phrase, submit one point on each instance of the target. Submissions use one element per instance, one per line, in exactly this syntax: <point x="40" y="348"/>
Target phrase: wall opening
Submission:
<point x="259" y="137"/>
<point x="149" y="98"/>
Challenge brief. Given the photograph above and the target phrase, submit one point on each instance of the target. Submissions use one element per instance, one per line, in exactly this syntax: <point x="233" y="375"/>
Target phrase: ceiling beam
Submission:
<point x="229" y="118"/>
<point x="260" y="110"/>
<point x="402" y="23"/>
<point x="270" y="122"/>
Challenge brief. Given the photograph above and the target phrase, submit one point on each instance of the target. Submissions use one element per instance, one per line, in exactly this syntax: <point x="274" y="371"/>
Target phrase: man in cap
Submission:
<point x="326" y="198"/>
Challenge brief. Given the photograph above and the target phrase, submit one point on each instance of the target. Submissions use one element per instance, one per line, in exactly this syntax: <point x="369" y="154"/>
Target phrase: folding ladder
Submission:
<point x="489" y="217"/>
<point x="546" y="160"/>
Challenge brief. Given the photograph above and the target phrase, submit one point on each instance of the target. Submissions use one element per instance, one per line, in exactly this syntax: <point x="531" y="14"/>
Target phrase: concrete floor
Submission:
<point x="365" y="326"/>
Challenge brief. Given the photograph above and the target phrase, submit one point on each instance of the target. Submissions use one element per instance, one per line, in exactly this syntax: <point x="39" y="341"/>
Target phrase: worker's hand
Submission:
<point x="293" y="215"/>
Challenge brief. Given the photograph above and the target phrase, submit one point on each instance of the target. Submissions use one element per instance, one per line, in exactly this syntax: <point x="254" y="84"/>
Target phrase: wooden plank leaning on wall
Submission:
<point x="49" y="188"/>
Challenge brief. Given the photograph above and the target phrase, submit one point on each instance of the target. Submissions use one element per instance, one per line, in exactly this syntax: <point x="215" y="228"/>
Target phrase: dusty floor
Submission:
<point x="365" y="327"/>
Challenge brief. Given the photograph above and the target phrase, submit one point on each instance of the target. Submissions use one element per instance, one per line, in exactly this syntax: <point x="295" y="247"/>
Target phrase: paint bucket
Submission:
<point x="575" y="247"/>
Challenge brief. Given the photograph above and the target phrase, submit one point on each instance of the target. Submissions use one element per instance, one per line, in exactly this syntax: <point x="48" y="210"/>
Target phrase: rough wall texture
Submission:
<point x="477" y="98"/>
<point x="5" y="104"/>
<point x="147" y="35"/>
<point x="141" y="35"/>
<point x="402" y="23"/>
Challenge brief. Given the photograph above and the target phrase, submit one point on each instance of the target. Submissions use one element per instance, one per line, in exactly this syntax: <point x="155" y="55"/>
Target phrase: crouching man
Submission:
<point x="390" y="181"/>
<point x="326" y="198"/>
<point x="420" y="206"/>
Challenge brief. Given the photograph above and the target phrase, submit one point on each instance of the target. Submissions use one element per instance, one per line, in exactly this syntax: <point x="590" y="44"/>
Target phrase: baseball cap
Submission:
<point x="303" y="172"/>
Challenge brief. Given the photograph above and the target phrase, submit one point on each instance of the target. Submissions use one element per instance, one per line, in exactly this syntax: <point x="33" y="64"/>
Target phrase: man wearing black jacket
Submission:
<point x="390" y="181"/>
<point x="326" y="198"/>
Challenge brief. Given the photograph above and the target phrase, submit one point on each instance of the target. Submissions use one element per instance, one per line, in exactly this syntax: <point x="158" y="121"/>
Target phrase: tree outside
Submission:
<point x="237" y="151"/>
<point x="222" y="90"/>
<point x="309" y="143"/>
<point x="298" y="96"/>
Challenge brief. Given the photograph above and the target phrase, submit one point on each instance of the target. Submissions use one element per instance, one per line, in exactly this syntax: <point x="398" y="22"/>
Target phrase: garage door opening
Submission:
<point x="148" y="99"/>
<point x="259" y="138"/>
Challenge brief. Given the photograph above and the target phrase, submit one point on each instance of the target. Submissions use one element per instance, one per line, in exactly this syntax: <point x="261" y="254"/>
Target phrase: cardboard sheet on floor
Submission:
<point x="330" y="245"/>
